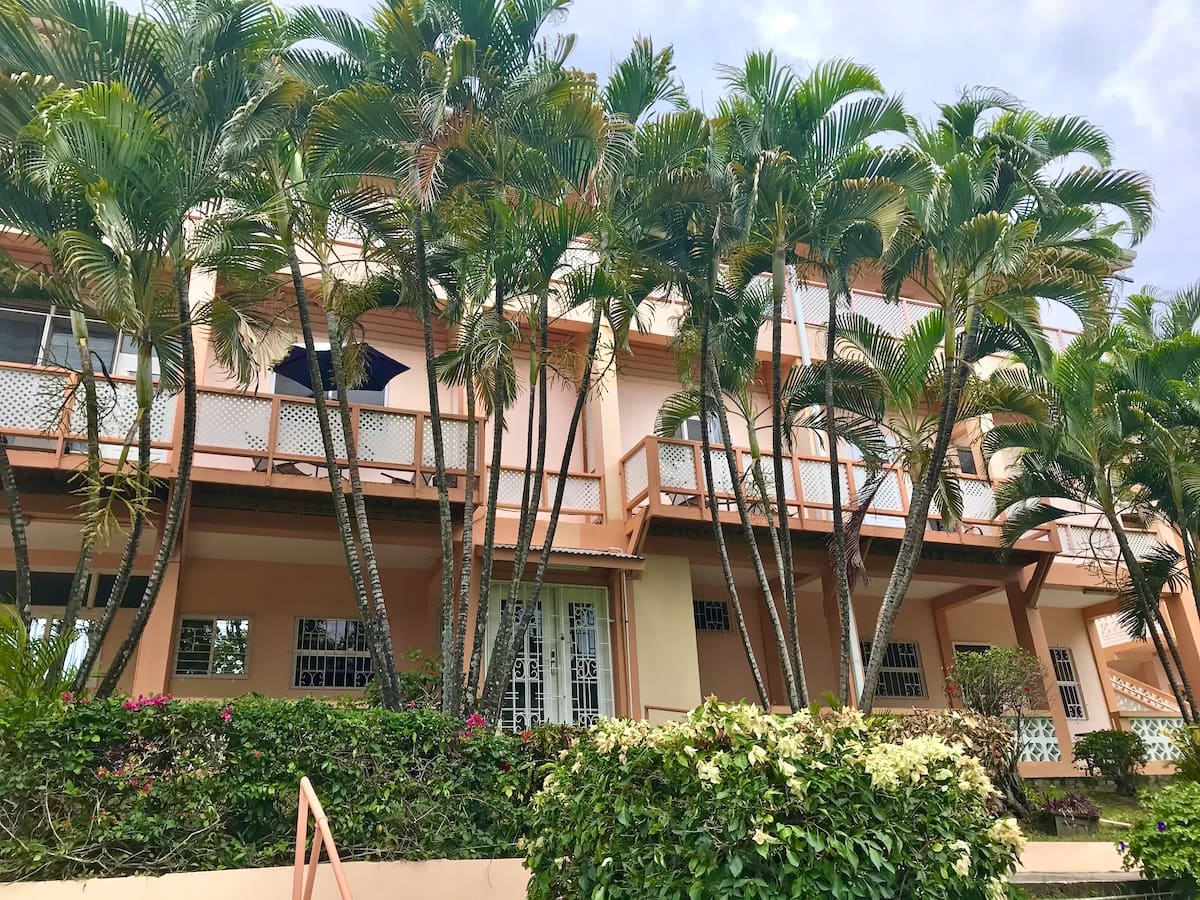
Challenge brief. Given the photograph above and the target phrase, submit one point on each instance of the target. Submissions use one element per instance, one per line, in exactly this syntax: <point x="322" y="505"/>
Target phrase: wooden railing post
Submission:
<point x="302" y="881"/>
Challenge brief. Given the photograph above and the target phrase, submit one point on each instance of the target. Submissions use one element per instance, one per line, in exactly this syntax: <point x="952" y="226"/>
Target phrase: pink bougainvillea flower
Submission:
<point x="227" y="714"/>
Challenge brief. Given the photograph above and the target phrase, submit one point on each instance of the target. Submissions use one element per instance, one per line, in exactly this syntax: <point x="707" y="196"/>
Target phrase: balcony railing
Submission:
<point x="1091" y="542"/>
<point x="667" y="476"/>
<point x="267" y="434"/>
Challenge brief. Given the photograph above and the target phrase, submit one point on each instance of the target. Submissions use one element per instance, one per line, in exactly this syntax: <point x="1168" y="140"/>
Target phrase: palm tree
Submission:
<point x="1072" y="458"/>
<point x="819" y="196"/>
<point x="1001" y="227"/>
<point x="139" y="137"/>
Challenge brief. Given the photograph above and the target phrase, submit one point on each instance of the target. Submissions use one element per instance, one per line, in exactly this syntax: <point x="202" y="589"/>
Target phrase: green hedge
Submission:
<point x="117" y="787"/>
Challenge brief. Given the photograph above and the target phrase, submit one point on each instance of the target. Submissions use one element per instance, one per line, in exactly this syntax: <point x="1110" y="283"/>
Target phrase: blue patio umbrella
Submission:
<point x="378" y="369"/>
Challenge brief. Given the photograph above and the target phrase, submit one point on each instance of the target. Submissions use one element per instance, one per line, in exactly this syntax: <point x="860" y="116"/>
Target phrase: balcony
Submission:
<point x="260" y="439"/>
<point x="665" y="477"/>
<point x="1097" y="543"/>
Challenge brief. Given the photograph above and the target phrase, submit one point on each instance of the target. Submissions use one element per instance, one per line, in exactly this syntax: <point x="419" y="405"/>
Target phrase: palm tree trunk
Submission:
<point x="714" y="513"/>
<point x="783" y="541"/>
<point x="362" y="525"/>
<point x="837" y="540"/>
<point x="173" y="521"/>
<point x="20" y="538"/>
<point x="133" y="543"/>
<point x="793" y="678"/>
<point x="954" y="380"/>
<point x="475" y="670"/>
<point x="445" y="515"/>
<point x="500" y="670"/>
<point x="1164" y="644"/>
<point x="452" y="670"/>
<point x="340" y="511"/>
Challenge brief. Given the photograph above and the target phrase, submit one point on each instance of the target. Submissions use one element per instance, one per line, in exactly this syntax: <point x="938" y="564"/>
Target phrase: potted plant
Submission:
<point x="1073" y="815"/>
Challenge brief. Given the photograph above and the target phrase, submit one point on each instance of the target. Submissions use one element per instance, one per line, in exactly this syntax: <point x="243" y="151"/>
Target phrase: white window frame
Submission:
<point x="693" y="424"/>
<point x="1063" y="683"/>
<point x="212" y="618"/>
<point x="346" y="654"/>
<point x="919" y="669"/>
<point x="48" y="316"/>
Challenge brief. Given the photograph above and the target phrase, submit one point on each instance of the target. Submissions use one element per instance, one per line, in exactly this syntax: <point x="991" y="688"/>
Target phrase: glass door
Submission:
<point x="564" y="670"/>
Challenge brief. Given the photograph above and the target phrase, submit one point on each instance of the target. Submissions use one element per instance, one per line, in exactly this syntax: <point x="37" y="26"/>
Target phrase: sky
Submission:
<point x="1131" y="66"/>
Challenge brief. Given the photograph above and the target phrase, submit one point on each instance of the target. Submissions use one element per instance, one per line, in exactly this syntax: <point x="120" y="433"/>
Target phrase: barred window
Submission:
<point x="711" y="615"/>
<point x="971" y="648"/>
<point x="212" y="647"/>
<point x="901" y="673"/>
<point x="331" y="653"/>
<point x="1068" y="682"/>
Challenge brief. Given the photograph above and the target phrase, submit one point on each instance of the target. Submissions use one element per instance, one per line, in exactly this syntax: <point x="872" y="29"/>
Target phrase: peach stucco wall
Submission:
<point x="915" y="623"/>
<point x="272" y="596"/>
<point x="668" y="669"/>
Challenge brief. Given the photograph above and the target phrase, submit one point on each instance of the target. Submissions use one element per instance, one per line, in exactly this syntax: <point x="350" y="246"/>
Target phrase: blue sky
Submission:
<point x="1131" y="66"/>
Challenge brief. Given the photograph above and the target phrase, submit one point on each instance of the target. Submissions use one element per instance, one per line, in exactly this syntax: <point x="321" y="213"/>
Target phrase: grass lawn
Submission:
<point x="1112" y="806"/>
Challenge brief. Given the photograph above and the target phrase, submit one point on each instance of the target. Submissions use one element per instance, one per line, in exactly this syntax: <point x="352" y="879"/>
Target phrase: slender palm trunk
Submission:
<point x="340" y="510"/>
<point x="437" y="433"/>
<point x="452" y="670"/>
<point x="954" y="381"/>
<point x="793" y="677"/>
<point x="783" y="540"/>
<point x="500" y="670"/>
<point x="719" y="531"/>
<point x="475" y="670"/>
<point x="372" y="580"/>
<point x="173" y="520"/>
<point x="133" y="543"/>
<point x="837" y="540"/>
<point x="20" y="538"/>
<point x="1160" y="634"/>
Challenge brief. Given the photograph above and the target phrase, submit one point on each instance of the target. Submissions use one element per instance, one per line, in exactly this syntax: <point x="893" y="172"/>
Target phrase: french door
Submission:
<point x="564" y="670"/>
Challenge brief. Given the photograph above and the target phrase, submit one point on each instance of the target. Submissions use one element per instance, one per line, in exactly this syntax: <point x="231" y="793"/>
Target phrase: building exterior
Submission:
<point x="634" y="620"/>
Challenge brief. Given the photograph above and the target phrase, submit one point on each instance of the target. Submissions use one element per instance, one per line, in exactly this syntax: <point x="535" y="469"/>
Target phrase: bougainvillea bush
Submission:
<point x="154" y="785"/>
<point x="732" y="802"/>
<point x="1166" y="843"/>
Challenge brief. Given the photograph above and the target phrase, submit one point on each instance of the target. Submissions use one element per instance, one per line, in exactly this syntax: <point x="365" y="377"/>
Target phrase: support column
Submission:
<point x="1031" y="636"/>
<point x="152" y="664"/>
<point x="1181" y="612"/>
<point x="1101" y="656"/>
<point x="833" y="621"/>
<point x="941" y="624"/>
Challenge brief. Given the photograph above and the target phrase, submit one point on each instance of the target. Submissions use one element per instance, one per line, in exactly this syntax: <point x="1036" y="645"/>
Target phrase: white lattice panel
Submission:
<point x="510" y="486"/>
<point x="387" y="437"/>
<point x="1083" y="540"/>
<point x="118" y="412"/>
<point x="579" y="493"/>
<point x="814" y="479"/>
<point x="233" y="421"/>
<point x="722" y="478"/>
<point x="1141" y="542"/>
<point x="1039" y="743"/>
<point x="676" y="466"/>
<point x="768" y="475"/>
<point x="886" y="315"/>
<point x="813" y="303"/>
<point x="300" y="432"/>
<point x="454" y="440"/>
<point x="1110" y="631"/>
<point x="887" y="497"/>
<point x="31" y="400"/>
<point x="636" y="476"/>
<point x="979" y="500"/>
<point x="1156" y="731"/>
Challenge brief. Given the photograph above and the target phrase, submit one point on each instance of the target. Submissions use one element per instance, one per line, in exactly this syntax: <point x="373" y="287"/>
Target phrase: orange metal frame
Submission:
<point x="302" y="880"/>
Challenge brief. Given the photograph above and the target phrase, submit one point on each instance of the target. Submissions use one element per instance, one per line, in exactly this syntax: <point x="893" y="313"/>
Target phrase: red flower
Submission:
<point x="526" y="736"/>
<point x="227" y="714"/>
<point x="68" y="697"/>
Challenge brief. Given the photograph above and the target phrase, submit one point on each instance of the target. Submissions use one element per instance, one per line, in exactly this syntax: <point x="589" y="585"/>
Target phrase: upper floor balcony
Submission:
<point x="259" y="439"/>
<point x="664" y="477"/>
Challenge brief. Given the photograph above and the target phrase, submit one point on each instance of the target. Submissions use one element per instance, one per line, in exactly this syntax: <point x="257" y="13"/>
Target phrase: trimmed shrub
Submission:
<point x="1167" y="843"/>
<point x="732" y="802"/>
<point x="1186" y="741"/>
<point x="1116" y="755"/>
<point x="116" y="787"/>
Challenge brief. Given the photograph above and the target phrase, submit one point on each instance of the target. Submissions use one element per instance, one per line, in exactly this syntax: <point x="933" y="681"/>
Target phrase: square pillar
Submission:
<point x="1031" y="636"/>
<point x="1185" y="625"/>
<point x="152" y="664"/>
<point x="603" y="426"/>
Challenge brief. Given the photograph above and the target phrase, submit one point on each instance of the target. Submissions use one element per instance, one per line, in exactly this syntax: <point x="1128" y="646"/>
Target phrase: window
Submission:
<point x="40" y="626"/>
<point x="331" y="653"/>
<point x="690" y="430"/>
<point x="43" y="337"/>
<point x="966" y="461"/>
<point x="901" y="673"/>
<point x="290" y="388"/>
<point x="1068" y="682"/>
<point x="711" y="615"/>
<point x="212" y="647"/>
<point x="971" y="648"/>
